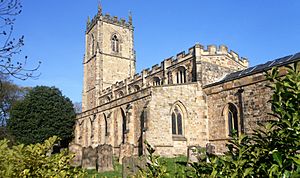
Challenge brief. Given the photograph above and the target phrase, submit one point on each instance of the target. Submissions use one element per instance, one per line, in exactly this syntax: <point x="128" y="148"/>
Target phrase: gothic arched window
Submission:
<point x="115" y="43"/>
<point x="181" y="75"/>
<point x="156" y="81"/>
<point x="177" y="121"/>
<point x="232" y="117"/>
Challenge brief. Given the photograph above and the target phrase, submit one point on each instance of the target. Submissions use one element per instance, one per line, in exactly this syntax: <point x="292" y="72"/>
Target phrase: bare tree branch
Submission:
<point x="9" y="46"/>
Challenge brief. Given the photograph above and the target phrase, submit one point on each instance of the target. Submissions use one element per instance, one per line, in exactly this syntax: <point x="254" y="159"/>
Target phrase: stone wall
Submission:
<point x="104" y="124"/>
<point x="214" y="63"/>
<point x="103" y="66"/>
<point x="117" y="66"/>
<point x="121" y="107"/>
<point x="190" y="99"/>
<point x="255" y="97"/>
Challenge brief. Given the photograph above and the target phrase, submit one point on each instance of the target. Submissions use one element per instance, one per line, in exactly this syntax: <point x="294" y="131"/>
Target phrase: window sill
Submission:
<point x="178" y="138"/>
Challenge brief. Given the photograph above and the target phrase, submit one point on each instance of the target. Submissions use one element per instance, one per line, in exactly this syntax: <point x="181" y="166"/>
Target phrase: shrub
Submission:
<point x="44" y="112"/>
<point x="271" y="151"/>
<point x="36" y="161"/>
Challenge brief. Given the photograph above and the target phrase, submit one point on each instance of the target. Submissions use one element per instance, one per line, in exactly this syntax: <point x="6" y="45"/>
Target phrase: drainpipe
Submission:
<point x="240" y="98"/>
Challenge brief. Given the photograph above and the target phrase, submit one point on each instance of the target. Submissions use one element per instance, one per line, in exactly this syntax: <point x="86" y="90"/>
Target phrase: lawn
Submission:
<point x="174" y="165"/>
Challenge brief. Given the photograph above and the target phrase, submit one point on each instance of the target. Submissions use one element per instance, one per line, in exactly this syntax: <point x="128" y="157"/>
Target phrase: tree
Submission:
<point x="42" y="113"/>
<point x="11" y="46"/>
<point x="10" y="93"/>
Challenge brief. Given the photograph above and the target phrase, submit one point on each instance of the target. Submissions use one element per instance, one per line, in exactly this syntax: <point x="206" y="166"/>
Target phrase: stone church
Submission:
<point x="195" y="98"/>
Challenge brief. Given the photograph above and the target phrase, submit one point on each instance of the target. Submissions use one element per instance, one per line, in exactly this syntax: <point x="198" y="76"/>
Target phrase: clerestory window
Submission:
<point x="156" y="81"/>
<point x="181" y="75"/>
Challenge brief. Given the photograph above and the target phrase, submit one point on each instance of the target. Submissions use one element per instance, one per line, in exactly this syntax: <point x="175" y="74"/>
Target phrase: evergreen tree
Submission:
<point x="42" y="113"/>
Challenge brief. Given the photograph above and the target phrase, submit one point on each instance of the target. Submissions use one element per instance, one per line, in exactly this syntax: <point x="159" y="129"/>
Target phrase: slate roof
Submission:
<point x="258" y="68"/>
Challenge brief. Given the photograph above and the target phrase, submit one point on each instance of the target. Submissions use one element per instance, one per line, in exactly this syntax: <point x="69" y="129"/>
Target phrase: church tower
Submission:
<point x="109" y="55"/>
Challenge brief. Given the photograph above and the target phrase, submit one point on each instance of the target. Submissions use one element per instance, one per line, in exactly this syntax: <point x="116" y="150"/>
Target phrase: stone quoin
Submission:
<point x="194" y="98"/>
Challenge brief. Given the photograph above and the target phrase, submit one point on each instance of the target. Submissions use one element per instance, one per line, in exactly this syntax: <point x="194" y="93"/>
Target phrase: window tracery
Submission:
<point x="115" y="44"/>
<point x="177" y="117"/>
<point x="181" y="75"/>
<point x="232" y="119"/>
<point x="156" y="81"/>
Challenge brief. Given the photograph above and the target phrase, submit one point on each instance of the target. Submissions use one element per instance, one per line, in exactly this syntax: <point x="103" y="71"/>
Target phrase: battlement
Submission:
<point x="116" y="20"/>
<point x="146" y="75"/>
<point x="90" y="23"/>
<point x="222" y="50"/>
<point x="109" y="19"/>
<point x="145" y="78"/>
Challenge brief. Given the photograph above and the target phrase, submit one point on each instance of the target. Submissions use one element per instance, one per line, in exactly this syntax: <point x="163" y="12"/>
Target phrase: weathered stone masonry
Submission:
<point x="192" y="99"/>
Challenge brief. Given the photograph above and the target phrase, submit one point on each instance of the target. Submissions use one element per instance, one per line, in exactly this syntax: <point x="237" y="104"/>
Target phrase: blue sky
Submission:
<point x="54" y="32"/>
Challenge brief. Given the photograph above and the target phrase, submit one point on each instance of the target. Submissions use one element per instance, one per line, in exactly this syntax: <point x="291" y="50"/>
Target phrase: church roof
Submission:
<point x="259" y="68"/>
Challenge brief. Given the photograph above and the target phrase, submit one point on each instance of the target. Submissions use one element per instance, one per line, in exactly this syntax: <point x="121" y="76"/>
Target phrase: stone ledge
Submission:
<point x="178" y="138"/>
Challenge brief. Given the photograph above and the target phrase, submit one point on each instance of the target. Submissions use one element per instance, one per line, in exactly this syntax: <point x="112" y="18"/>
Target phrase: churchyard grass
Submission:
<point x="174" y="166"/>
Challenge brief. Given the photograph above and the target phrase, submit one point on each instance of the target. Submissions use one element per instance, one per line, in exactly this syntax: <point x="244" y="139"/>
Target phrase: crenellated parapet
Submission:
<point x="108" y="19"/>
<point x="166" y="70"/>
<point x="213" y="50"/>
<point x="213" y="63"/>
<point x="145" y="79"/>
<point x="116" y="20"/>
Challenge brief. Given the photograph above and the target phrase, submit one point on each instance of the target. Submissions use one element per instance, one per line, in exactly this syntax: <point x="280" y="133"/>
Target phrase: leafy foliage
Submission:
<point x="9" y="94"/>
<point x="35" y="161"/>
<point x="42" y="113"/>
<point x="154" y="166"/>
<point x="273" y="150"/>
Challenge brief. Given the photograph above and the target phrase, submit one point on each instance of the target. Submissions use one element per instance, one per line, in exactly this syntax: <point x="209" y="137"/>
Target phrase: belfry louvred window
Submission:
<point x="115" y="43"/>
<point x="176" y="121"/>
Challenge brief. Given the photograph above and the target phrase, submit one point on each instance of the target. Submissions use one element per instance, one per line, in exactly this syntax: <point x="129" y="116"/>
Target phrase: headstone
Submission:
<point x="131" y="165"/>
<point x="77" y="150"/>
<point x="196" y="153"/>
<point x="105" y="158"/>
<point x="210" y="149"/>
<point x="126" y="150"/>
<point x="89" y="158"/>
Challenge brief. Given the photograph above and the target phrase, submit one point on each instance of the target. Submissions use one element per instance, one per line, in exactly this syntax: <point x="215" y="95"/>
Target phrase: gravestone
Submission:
<point x="131" y="165"/>
<point x="89" y="158"/>
<point x="196" y="153"/>
<point x="105" y="158"/>
<point x="210" y="149"/>
<point x="126" y="150"/>
<point x="77" y="150"/>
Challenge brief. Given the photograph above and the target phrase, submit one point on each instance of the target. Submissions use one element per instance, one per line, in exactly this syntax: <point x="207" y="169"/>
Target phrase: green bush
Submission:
<point x="271" y="151"/>
<point x="155" y="167"/>
<point x="43" y="113"/>
<point x="36" y="161"/>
